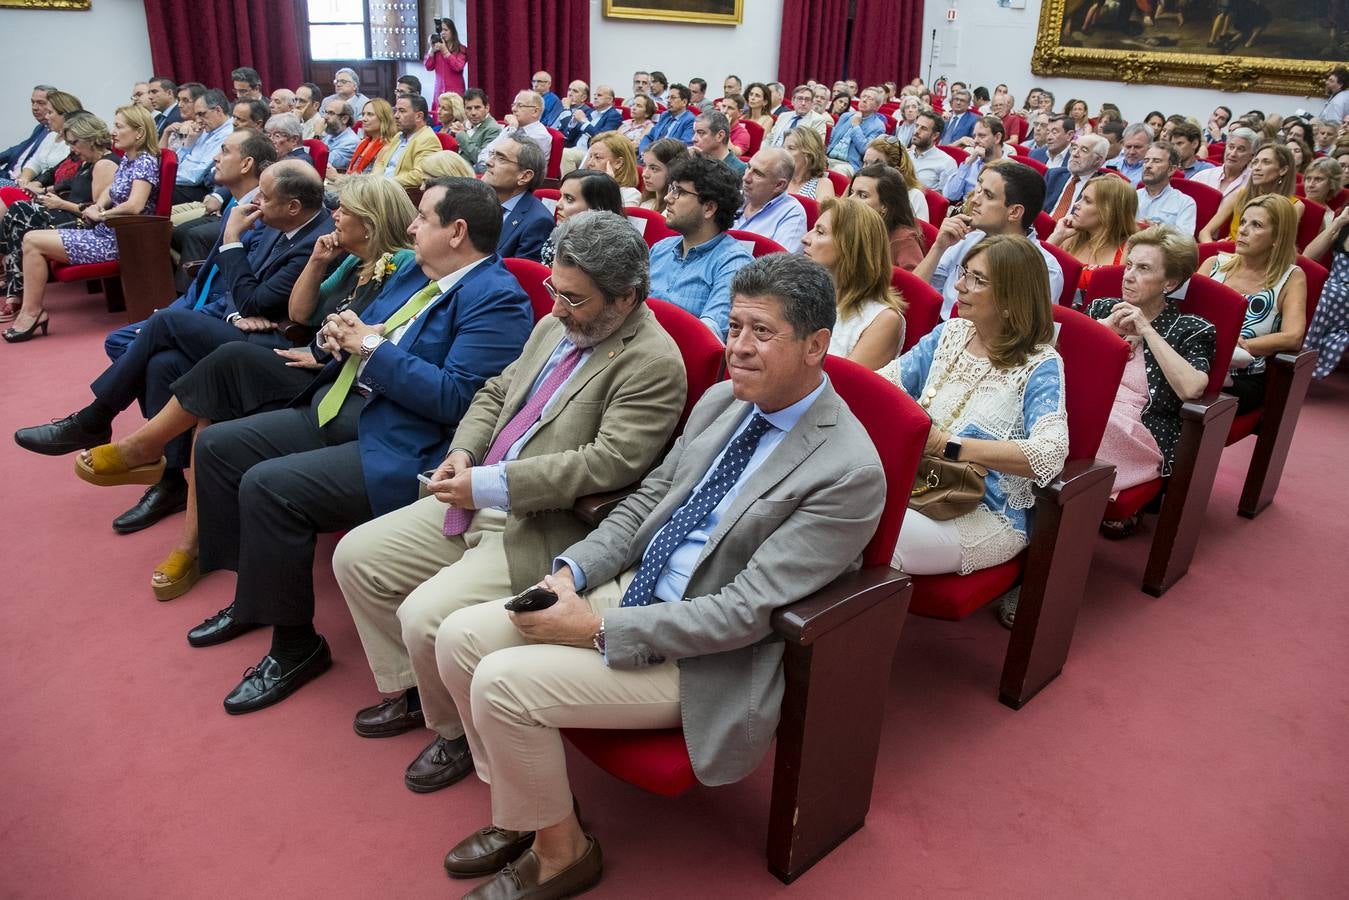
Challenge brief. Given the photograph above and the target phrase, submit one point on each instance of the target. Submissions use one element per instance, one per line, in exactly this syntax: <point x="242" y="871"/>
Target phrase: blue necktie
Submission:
<point x="641" y="591"/>
<point x="204" y="294"/>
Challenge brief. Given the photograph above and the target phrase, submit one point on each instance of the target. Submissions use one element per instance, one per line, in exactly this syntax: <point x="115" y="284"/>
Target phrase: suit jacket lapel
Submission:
<point x="605" y="352"/>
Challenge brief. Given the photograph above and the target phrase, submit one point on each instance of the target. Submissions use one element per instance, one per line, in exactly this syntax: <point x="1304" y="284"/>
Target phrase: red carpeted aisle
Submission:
<point x="1194" y="745"/>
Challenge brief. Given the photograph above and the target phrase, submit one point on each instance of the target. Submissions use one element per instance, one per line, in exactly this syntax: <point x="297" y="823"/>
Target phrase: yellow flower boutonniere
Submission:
<point x="384" y="266"/>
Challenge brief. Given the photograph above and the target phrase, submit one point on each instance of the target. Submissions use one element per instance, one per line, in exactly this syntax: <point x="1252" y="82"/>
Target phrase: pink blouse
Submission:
<point x="449" y="74"/>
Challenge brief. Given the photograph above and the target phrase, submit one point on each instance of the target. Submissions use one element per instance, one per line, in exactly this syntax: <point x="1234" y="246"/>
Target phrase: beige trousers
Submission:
<point x="186" y="212"/>
<point x="519" y="695"/>
<point x="401" y="577"/>
<point x="571" y="159"/>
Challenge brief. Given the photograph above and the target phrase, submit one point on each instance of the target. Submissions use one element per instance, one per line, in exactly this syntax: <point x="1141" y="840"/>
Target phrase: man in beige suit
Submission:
<point x="587" y="407"/>
<point x="402" y="159"/>
<point x="771" y="492"/>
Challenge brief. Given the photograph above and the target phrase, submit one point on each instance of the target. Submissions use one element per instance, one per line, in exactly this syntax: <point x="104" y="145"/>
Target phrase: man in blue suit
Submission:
<point x="351" y="446"/>
<point x="40" y="108"/>
<point x="241" y="291"/>
<point x="961" y="123"/>
<point x="542" y="84"/>
<point x="515" y="169"/>
<point x="676" y="122"/>
<point x="588" y="121"/>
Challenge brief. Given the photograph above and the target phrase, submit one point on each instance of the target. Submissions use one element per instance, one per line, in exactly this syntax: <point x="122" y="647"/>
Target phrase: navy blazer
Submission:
<point x="959" y="127"/>
<point x="1040" y="154"/>
<point x="166" y="119"/>
<point x="525" y="229"/>
<point x="421" y="386"/>
<point x="610" y="120"/>
<point x="552" y="105"/>
<point x="11" y="154"/>
<point x="1055" y="179"/>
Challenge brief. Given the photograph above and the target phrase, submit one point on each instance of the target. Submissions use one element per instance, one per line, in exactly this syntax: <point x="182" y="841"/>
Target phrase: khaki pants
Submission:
<point x="401" y="577"/>
<point x="519" y="695"/>
<point x="186" y="212"/>
<point x="571" y="159"/>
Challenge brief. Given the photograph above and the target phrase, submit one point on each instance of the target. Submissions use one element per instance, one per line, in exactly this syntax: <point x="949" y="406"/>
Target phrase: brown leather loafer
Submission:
<point x="440" y="765"/>
<point x="387" y="718"/>
<point x="485" y="851"/>
<point x="521" y="878"/>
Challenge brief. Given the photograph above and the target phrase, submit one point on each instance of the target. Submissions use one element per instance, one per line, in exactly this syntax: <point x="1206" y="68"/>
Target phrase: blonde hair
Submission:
<point x="445" y="164"/>
<point x="85" y="126"/>
<point x="456" y="106"/>
<point x="1180" y="254"/>
<point x="896" y="158"/>
<point x="64" y="104"/>
<point x="809" y="142"/>
<point x="383" y="207"/>
<point x="863" y="271"/>
<point x="1020" y="281"/>
<point x="625" y="169"/>
<point x="138" y="117"/>
<point x="388" y="128"/>
<point x="1283" y="222"/>
<point x="1117" y="206"/>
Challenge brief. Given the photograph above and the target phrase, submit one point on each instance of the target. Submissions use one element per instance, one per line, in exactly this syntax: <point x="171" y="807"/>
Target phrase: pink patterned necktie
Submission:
<point x="456" y="519"/>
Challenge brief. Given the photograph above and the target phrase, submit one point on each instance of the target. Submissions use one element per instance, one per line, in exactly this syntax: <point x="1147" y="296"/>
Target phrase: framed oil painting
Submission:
<point x="1276" y="46"/>
<point x="44" y="4"/>
<point x="703" y="12"/>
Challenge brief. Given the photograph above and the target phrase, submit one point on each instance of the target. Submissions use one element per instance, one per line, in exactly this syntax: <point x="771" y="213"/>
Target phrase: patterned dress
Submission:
<point x="1328" y="333"/>
<point x="99" y="244"/>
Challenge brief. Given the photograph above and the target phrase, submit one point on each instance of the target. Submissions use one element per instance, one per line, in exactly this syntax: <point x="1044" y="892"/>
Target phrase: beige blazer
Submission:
<point x="604" y="430"/>
<point x="408" y="173"/>
<point x="800" y="520"/>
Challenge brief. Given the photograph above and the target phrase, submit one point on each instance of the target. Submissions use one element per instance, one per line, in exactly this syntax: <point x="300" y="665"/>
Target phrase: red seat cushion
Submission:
<point x="955" y="596"/>
<point x="108" y="269"/>
<point x="656" y="761"/>
<point x="1131" y="500"/>
<point x="1243" y="426"/>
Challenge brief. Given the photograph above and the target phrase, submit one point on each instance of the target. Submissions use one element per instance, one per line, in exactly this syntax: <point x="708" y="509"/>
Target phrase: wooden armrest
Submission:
<point x="119" y="222"/>
<point x="190" y="269"/>
<point x="298" y="333"/>
<point x="1077" y="477"/>
<point x="1291" y="362"/>
<point x="593" y="508"/>
<point x="1207" y="408"/>
<point x="807" y="620"/>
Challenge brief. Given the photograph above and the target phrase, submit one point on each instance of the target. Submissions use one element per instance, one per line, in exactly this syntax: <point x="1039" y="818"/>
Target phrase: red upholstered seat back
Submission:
<point x="955" y="153"/>
<point x="650" y="223"/>
<point x="1093" y="364"/>
<point x="1044" y="225"/>
<point x="1309" y="226"/>
<point x="1072" y="271"/>
<point x="168" y="173"/>
<point x="548" y="194"/>
<point x="929" y="233"/>
<point x="937" y="205"/>
<point x="555" y="154"/>
<point x="318" y="153"/>
<point x="704" y="355"/>
<point x="924" y="306"/>
<point x="1035" y="164"/>
<point x="1206" y="200"/>
<point x="839" y="181"/>
<point x="762" y="245"/>
<point x="755" y="136"/>
<point x="531" y="275"/>
<point x="447" y="141"/>
<point x="812" y="210"/>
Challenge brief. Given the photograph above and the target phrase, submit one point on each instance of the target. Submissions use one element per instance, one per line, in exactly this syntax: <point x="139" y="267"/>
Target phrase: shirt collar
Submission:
<point x="704" y="247"/>
<point x="448" y="281"/>
<point x="786" y="418"/>
<point x="290" y="235"/>
<point x="509" y="206"/>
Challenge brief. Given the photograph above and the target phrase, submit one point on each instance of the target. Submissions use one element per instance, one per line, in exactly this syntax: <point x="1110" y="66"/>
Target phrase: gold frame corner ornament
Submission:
<point x="618" y="9"/>
<point x="46" y="4"/>
<point x="1302" y="78"/>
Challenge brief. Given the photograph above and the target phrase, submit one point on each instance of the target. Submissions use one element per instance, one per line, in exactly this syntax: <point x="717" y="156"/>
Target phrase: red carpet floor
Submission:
<point x="1194" y="746"/>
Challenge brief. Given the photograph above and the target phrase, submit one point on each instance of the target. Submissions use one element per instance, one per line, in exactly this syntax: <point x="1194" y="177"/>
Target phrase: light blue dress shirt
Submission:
<point x="398" y="152"/>
<point x="699" y="281"/>
<point x="490" y="490"/>
<point x="340" y="148"/>
<point x="197" y="161"/>
<point x="1170" y="207"/>
<point x="1133" y="173"/>
<point x="848" y="143"/>
<point x="781" y="219"/>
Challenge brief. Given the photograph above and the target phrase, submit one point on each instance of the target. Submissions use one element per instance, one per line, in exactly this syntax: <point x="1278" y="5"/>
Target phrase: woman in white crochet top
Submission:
<point x="993" y="385"/>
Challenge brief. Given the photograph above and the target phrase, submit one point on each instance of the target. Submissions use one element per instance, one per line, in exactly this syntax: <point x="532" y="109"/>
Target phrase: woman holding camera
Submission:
<point x="447" y="58"/>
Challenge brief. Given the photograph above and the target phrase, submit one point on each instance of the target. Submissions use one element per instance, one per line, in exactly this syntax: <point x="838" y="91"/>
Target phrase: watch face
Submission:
<point x="370" y="341"/>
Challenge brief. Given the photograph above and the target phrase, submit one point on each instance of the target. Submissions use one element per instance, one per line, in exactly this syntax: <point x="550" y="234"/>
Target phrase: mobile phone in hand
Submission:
<point x="425" y="477"/>
<point x="532" y="600"/>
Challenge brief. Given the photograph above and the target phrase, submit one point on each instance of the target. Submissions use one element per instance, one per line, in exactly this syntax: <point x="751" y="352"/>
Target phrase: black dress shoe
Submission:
<point x="440" y="765"/>
<point x="486" y="851"/>
<point x="218" y="629"/>
<point x="387" y="718"/>
<point x="265" y="683"/>
<point x="159" y="500"/>
<point x="62" y="436"/>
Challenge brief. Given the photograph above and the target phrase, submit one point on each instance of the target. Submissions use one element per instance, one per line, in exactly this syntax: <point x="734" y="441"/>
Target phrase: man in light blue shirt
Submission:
<point x="769" y="210"/>
<point x="1158" y="202"/>
<point x="853" y="132"/>
<point x="676" y="122"/>
<point x="337" y="135"/>
<point x="194" y="165"/>
<point x="1137" y="138"/>
<point x="694" y="269"/>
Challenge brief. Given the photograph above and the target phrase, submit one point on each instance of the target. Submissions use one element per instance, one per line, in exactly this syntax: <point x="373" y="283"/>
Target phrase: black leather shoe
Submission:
<point x="387" y="718"/>
<point x="218" y="629"/>
<point x="486" y="851"/>
<point x="62" y="436"/>
<point x="440" y="765"/>
<point x="160" y="500"/>
<point x="265" y="683"/>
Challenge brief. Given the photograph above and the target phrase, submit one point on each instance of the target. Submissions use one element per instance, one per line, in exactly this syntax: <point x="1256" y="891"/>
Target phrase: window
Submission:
<point x="337" y="29"/>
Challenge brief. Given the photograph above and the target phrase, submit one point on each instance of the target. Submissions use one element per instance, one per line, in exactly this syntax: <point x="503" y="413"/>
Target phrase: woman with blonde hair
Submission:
<point x="1097" y="226"/>
<point x="1264" y="268"/>
<point x="886" y="151"/>
<point x="614" y="155"/>
<point x="849" y="239"/>
<point x="449" y="110"/>
<point x="370" y="238"/>
<point x="378" y="130"/>
<point x="445" y="164"/>
<point x="810" y="177"/>
<point x="1272" y="172"/>
<point x="133" y="191"/>
<point x="658" y="159"/>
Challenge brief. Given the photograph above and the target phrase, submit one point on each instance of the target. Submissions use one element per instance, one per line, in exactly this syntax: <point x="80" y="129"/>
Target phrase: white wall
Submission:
<point x="619" y="47"/>
<point x="113" y="54"/>
<point x="988" y="45"/>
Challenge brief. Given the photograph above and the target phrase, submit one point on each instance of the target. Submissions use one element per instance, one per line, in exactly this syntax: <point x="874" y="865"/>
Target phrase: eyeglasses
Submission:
<point x="524" y="106"/>
<point x="976" y="281"/>
<point x="674" y="192"/>
<point x="558" y="295"/>
<point x="497" y="156"/>
<point x="343" y="81"/>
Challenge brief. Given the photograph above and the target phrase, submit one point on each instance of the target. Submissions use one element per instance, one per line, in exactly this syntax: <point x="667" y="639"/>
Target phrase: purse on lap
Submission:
<point x="946" y="489"/>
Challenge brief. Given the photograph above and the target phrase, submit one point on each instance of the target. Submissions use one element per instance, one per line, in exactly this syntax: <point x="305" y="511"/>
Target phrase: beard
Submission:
<point x="588" y="334"/>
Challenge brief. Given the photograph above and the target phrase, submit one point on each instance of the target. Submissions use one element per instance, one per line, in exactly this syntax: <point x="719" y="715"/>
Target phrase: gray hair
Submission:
<point x="801" y="285"/>
<point x="45" y="88"/>
<point x="607" y="248"/>
<point x="1096" y="144"/>
<point x="1244" y="134"/>
<point x="1138" y="128"/>
<point x="961" y="92"/>
<point x="531" y="158"/>
<point x="717" y="121"/>
<point x="286" y="123"/>
<point x="352" y="72"/>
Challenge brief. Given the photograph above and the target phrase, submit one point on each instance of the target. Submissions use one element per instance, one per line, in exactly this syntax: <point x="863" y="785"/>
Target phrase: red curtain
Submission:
<point x="510" y="40"/>
<point x="887" y="41"/>
<point x="814" y="33"/>
<point x="206" y="39"/>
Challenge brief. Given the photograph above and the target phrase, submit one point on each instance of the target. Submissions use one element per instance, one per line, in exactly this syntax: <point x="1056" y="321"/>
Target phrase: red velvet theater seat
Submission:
<point x="654" y="761"/>
<point x="531" y="274"/>
<point x="924" y="306"/>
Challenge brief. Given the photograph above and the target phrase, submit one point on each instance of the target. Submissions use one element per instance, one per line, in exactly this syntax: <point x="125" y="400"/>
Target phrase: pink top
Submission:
<point x="449" y="73"/>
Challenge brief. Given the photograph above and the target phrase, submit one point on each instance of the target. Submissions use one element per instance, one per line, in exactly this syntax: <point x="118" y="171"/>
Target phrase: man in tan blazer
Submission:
<point x="402" y="159"/>
<point x="587" y="407"/>
<point x="663" y="612"/>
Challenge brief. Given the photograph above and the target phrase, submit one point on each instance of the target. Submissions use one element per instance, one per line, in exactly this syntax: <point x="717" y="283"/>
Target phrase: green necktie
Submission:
<point x="332" y="401"/>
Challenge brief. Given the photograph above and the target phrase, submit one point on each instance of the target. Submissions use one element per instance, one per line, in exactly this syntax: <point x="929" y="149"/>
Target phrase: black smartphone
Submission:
<point x="532" y="600"/>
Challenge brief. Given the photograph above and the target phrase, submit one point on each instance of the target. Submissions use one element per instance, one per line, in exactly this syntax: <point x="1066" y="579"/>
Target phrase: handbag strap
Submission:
<point x="927" y="396"/>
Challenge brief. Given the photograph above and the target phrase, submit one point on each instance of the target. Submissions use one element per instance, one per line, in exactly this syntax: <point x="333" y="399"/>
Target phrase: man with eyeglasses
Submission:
<point x="693" y="270"/>
<point x="337" y="135"/>
<point x="523" y="120"/>
<point x="801" y="115"/>
<point x="594" y="396"/>
<point x="515" y="166"/>
<point x="347" y="89"/>
<point x="1064" y="184"/>
<point x="213" y="125"/>
<point x="676" y="122"/>
<point x="551" y="104"/>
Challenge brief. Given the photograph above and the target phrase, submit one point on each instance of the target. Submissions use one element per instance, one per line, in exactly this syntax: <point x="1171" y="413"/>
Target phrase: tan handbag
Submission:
<point x="944" y="488"/>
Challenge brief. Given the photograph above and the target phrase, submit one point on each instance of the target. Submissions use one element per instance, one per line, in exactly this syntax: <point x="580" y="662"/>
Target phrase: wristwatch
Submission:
<point x="952" y="450"/>
<point x="369" y="344"/>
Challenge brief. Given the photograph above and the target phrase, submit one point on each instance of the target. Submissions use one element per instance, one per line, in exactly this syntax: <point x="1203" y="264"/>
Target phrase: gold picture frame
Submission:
<point x="701" y="12"/>
<point x="45" y="4"/>
<point x="1142" y="52"/>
